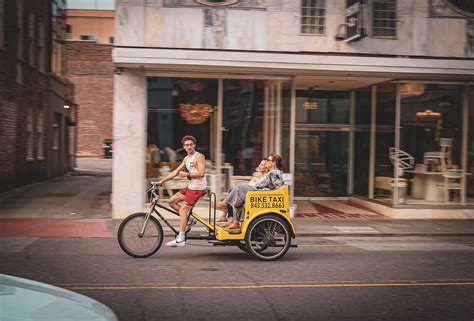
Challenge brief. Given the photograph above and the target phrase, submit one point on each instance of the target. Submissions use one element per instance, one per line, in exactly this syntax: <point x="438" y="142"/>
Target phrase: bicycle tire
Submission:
<point x="260" y="238"/>
<point x="127" y="234"/>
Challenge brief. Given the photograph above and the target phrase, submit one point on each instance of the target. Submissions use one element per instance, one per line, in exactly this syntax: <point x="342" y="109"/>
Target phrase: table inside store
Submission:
<point x="425" y="185"/>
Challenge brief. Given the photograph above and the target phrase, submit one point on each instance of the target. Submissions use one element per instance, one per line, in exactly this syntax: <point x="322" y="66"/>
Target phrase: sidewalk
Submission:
<point x="44" y="227"/>
<point x="78" y="205"/>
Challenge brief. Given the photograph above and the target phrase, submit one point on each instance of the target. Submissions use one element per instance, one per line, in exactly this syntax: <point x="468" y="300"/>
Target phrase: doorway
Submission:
<point x="322" y="143"/>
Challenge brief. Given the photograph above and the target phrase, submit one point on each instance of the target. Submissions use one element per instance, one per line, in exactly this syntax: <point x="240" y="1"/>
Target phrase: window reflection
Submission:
<point x="431" y="132"/>
<point x="243" y="124"/>
<point x="177" y="107"/>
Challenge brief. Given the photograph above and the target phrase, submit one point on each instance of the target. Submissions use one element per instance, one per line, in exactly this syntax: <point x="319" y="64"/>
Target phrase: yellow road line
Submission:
<point x="380" y="244"/>
<point x="262" y="286"/>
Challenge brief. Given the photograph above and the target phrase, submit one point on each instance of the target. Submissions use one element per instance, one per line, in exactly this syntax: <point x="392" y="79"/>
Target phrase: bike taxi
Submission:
<point x="265" y="233"/>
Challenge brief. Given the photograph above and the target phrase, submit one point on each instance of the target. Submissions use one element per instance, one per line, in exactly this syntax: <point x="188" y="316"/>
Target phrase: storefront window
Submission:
<point x="285" y="125"/>
<point x="322" y="137"/>
<point x="243" y="117"/>
<point x="362" y="141"/>
<point x="321" y="163"/>
<point x="177" y="107"/>
<point x="322" y="107"/>
<point x="470" y="149"/>
<point x="384" y="139"/>
<point x="431" y="136"/>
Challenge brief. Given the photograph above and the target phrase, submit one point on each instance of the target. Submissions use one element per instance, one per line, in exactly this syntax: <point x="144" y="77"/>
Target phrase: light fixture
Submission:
<point x="310" y="104"/>
<point x="195" y="113"/>
<point x="66" y="106"/>
<point x="428" y="113"/>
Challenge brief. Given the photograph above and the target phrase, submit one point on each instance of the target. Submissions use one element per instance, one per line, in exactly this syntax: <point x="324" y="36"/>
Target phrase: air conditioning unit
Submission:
<point x="356" y="20"/>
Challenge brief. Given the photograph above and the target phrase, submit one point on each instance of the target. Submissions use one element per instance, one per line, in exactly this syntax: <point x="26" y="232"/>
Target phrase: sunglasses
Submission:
<point x="269" y="160"/>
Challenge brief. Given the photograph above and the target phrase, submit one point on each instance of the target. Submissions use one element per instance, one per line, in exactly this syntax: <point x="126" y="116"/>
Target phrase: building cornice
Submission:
<point x="288" y="63"/>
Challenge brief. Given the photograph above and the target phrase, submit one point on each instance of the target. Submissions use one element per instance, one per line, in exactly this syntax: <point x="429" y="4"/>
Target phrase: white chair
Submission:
<point x="401" y="160"/>
<point x="453" y="180"/>
<point x="443" y="155"/>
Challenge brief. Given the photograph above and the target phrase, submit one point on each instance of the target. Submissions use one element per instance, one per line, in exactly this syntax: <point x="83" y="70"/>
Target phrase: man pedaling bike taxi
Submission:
<point x="193" y="167"/>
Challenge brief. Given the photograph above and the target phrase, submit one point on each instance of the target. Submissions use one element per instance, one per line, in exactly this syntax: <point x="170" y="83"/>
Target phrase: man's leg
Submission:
<point x="183" y="216"/>
<point x="183" y="219"/>
<point x="174" y="200"/>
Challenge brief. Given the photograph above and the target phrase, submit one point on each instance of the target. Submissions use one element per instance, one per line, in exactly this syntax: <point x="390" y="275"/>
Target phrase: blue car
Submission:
<point x="25" y="300"/>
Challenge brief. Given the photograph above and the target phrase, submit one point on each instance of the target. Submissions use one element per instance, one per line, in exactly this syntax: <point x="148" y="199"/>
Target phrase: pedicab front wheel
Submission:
<point x="268" y="238"/>
<point x="134" y="243"/>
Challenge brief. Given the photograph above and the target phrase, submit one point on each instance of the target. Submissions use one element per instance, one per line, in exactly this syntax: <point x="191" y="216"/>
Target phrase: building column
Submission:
<point x="128" y="175"/>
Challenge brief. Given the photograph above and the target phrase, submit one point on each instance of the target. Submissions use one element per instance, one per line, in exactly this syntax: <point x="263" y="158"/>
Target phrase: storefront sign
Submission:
<point x="310" y="105"/>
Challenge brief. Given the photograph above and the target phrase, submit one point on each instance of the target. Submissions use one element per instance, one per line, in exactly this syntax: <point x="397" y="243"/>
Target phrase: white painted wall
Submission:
<point x="128" y="177"/>
<point x="275" y="25"/>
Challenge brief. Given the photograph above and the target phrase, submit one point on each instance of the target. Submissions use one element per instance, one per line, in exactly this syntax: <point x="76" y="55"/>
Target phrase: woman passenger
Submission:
<point x="273" y="179"/>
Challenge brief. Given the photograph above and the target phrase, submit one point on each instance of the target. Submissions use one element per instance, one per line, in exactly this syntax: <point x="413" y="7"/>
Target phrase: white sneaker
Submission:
<point x="175" y="243"/>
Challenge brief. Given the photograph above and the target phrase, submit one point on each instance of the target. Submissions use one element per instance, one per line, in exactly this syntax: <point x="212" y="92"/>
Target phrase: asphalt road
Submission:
<point x="331" y="278"/>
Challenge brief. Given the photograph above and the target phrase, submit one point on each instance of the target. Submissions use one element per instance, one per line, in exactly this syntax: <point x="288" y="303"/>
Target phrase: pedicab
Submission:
<point x="266" y="232"/>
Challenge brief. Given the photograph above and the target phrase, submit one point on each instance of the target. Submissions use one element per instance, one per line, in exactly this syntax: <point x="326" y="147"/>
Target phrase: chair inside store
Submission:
<point x="443" y="156"/>
<point x="452" y="181"/>
<point x="402" y="161"/>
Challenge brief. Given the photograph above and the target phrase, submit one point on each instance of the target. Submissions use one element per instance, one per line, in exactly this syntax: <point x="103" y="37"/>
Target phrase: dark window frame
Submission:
<point x="383" y="19"/>
<point x="313" y="17"/>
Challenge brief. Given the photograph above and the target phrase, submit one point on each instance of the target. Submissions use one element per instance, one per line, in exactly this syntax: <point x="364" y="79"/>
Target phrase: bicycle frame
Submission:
<point x="153" y="209"/>
<point x="257" y="206"/>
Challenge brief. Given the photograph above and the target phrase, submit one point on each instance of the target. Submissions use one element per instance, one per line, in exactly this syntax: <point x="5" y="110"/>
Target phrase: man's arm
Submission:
<point x="201" y="167"/>
<point x="174" y="173"/>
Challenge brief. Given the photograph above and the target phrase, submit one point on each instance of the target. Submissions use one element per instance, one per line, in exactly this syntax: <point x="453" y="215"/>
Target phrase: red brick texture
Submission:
<point x="90" y="69"/>
<point x="16" y="99"/>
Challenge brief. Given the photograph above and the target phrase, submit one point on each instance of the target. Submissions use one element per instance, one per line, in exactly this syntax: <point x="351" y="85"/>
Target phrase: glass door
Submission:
<point x="321" y="143"/>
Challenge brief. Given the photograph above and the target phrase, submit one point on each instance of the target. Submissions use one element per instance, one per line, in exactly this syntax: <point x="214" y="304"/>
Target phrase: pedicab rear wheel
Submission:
<point x="268" y="238"/>
<point x="136" y="245"/>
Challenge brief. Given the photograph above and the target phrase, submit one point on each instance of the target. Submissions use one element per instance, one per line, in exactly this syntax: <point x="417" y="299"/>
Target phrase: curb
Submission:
<point x="298" y="235"/>
<point x="383" y="234"/>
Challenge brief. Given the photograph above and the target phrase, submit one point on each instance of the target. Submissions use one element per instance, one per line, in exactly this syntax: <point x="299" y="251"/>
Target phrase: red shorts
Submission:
<point x="192" y="195"/>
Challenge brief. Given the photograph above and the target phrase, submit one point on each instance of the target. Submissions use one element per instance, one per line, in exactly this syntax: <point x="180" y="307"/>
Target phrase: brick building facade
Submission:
<point x="33" y="120"/>
<point x="90" y="69"/>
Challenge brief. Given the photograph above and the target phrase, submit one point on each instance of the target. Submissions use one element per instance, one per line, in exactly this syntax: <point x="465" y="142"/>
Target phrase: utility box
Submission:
<point x="107" y="146"/>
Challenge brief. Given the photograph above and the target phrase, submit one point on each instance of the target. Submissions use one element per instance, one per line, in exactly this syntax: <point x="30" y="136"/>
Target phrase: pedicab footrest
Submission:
<point x="218" y="243"/>
<point x="199" y="237"/>
<point x="233" y="231"/>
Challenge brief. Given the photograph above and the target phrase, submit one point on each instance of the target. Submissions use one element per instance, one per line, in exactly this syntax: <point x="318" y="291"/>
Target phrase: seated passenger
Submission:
<point x="273" y="179"/>
<point x="259" y="172"/>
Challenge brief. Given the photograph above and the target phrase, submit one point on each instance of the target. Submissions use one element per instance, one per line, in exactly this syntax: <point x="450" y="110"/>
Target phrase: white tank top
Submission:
<point x="195" y="183"/>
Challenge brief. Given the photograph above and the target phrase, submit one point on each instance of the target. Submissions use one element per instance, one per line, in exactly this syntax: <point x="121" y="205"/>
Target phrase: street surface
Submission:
<point x="325" y="278"/>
